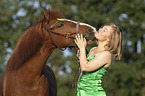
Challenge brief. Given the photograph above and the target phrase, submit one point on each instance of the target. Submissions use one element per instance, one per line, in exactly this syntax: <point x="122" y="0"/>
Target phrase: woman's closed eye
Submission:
<point x="105" y="30"/>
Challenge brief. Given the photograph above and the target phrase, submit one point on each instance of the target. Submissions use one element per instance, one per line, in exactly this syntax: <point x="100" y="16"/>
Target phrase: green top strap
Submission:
<point x="91" y="51"/>
<point x="99" y="52"/>
<point x="96" y="53"/>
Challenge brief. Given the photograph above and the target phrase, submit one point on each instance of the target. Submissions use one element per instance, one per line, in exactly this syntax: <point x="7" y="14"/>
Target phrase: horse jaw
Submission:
<point x="90" y="42"/>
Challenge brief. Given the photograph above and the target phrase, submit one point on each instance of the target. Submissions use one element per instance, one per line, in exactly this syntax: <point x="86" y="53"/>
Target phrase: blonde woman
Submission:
<point x="95" y="65"/>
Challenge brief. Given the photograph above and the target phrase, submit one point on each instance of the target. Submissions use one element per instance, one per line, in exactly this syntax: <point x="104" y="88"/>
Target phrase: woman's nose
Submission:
<point x="100" y="30"/>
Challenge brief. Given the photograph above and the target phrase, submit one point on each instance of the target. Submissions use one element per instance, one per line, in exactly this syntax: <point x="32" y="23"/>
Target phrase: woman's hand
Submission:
<point x="78" y="54"/>
<point x="80" y="41"/>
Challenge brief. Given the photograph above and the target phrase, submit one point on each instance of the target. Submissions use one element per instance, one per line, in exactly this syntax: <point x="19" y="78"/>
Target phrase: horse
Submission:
<point x="26" y="72"/>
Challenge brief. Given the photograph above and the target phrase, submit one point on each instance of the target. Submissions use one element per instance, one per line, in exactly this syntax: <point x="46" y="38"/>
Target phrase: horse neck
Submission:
<point x="29" y="45"/>
<point x="36" y="64"/>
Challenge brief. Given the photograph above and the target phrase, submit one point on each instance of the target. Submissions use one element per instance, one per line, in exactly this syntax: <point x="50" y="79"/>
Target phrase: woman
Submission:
<point x="94" y="66"/>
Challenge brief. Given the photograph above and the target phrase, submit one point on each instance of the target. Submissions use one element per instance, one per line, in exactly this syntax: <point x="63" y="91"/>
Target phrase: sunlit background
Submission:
<point x="124" y="78"/>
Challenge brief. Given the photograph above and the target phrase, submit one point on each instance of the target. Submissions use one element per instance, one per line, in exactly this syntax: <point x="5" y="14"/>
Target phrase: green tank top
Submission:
<point x="90" y="83"/>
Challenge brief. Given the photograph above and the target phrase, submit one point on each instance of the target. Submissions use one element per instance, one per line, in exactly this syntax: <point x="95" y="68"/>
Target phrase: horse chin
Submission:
<point x="71" y="46"/>
<point x="90" y="42"/>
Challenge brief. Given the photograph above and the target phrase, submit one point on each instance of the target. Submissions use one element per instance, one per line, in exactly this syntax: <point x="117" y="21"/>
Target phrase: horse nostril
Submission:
<point x="90" y="30"/>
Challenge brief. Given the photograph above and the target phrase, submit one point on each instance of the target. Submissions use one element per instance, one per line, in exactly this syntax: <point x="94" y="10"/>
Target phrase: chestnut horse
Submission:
<point x="26" y="73"/>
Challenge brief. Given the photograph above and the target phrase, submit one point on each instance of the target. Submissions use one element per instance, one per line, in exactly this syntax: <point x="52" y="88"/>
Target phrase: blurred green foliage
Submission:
<point x="124" y="78"/>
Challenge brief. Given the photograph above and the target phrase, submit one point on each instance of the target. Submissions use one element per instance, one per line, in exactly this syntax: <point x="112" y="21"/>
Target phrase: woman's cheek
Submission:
<point x="97" y="36"/>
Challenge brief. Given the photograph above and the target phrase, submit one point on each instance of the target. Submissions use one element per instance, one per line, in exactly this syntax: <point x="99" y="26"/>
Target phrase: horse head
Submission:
<point x="63" y="31"/>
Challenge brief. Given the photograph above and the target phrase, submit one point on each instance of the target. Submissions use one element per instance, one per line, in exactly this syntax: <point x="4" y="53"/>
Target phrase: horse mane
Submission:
<point x="29" y="43"/>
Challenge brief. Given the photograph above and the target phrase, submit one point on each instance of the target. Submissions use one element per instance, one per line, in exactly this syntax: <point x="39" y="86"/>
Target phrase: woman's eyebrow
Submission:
<point x="106" y="29"/>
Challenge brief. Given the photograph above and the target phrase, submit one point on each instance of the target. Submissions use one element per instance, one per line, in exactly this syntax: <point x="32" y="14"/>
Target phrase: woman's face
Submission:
<point x="103" y="33"/>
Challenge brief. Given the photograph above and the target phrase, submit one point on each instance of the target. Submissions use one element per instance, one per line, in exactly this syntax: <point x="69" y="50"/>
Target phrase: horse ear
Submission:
<point x="46" y="15"/>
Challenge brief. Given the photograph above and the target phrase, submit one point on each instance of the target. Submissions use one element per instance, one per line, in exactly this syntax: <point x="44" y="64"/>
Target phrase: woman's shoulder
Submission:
<point x="105" y="53"/>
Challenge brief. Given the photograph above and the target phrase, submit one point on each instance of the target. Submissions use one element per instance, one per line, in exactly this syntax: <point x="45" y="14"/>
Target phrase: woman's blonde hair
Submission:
<point x="114" y="44"/>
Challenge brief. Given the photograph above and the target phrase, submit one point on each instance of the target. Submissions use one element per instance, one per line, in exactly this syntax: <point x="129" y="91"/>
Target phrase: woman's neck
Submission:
<point x="101" y="45"/>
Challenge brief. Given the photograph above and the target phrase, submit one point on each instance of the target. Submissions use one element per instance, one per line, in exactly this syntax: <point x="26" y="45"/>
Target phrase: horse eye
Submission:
<point x="60" y="25"/>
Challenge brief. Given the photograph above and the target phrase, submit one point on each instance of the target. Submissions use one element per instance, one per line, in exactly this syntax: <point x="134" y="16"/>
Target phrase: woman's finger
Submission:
<point x="81" y="37"/>
<point x="76" y="42"/>
<point x="78" y="36"/>
<point x="85" y="40"/>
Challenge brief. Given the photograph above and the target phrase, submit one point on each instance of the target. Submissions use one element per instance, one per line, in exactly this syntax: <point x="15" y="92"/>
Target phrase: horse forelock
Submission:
<point x="28" y="45"/>
<point x="77" y="22"/>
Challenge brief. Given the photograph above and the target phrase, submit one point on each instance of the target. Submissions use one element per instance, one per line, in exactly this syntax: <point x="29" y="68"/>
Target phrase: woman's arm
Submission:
<point x="99" y="60"/>
<point x="78" y="54"/>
